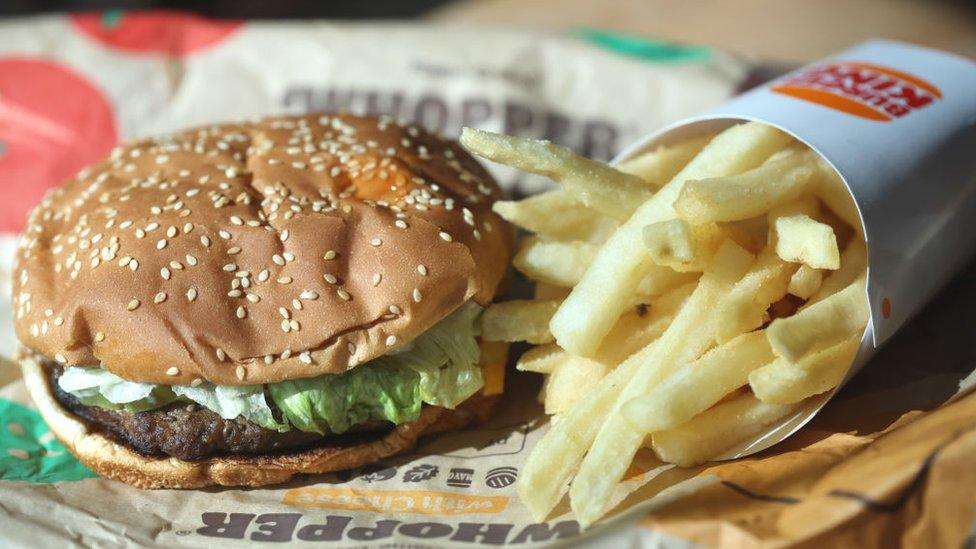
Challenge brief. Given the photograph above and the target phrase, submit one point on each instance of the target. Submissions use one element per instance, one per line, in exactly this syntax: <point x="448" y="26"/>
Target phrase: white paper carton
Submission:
<point x="898" y="123"/>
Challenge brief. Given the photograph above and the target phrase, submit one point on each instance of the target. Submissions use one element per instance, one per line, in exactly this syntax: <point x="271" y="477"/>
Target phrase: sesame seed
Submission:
<point x="236" y="220"/>
<point x="241" y="312"/>
<point x="391" y="340"/>
<point x="140" y="233"/>
<point x="161" y="244"/>
<point x="395" y="310"/>
<point x="191" y="294"/>
<point x="422" y="269"/>
<point x="446" y="237"/>
<point x="224" y="234"/>
<point x="187" y="227"/>
<point x="133" y="265"/>
<point x="173" y="371"/>
<point x="133" y="305"/>
<point x="377" y="278"/>
<point x="191" y="260"/>
<point x="305" y="357"/>
<point x="253" y="298"/>
<point x="288" y="256"/>
<point x="376" y="242"/>
<point x="176" y="265"/>
<point x="171" y="232"/>
<point x="285" y="313"/>
<point x="284" y="235"/>
<point x="295" y="326"/>
<point x="160" y="297"/>
<point x="400" y="223"/>
<point x="205" y="241"/>
<point x="230" y="267"/>
<point x="241" y="372"/>
<point x="286" y="354"/>
<point x="284" y="280"/>
<point x="60" y="358"/>
<point x="99" y="337"/>
<point x="344" y="295"/>
<point x="196" y="382"/>
<point x="263" y="276"/>
<point x="309" y="294"/>
<point x="296" y="304"/>
<point x="165" y="273"/>
<point x="330" y="278"/>
<point x="416" y="295"/>
<point x="269" y="359"/>
<point x="351" y="348"/>
<point x="329" y="255"/>
<point x="235" y="293"/>
<point x="234" y="250"/>
<point x="285" y="327"/>
<point x="278" y="260"/>
<point x="221" y="355"/>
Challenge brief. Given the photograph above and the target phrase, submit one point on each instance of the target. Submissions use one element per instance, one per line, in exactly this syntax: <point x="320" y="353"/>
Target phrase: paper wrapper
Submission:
<point x="883" y="464"/>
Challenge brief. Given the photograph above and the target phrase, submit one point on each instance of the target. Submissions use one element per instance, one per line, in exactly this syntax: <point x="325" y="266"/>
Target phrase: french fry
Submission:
<point x="805" y="205"/>
<point x="744" y="309"/>
<point x="658" y="281"/>
<point x="823" y="324"/>
<point x="634" y="330"/>
<point x="800" y="239"/>
<point x="597" y="185"/>
<point x="541" y="359"/>
<point x="558" y="215"/>
<point x="605" y="290"/>
<point x="556" y="455"/>
<point x="657" y="167"/>
<point x="805" y="281"/>
<point x="678" y="245"/>
<point x="572" y="378"/>
<point x="831" y="190"/>
<point x="748" y="194"/>
<point x="699" y="385"/>
<point x="559" y="263"/>
<point x="716" y="430"/>
<point x="518" y="320"/>
<point x="691" y="332"/>
<point x="781" y="382"/>
<point x="853" y="263"/>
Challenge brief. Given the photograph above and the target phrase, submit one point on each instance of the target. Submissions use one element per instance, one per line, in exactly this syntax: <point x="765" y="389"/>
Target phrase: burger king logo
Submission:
<point x="861" y="89"/>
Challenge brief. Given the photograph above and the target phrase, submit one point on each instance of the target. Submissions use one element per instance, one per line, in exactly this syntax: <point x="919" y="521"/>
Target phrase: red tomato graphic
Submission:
<point x="164" y="32"/>
<point x="52" y="123"/>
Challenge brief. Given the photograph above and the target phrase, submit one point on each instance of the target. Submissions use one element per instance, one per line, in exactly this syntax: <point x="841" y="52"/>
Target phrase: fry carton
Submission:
<point x="898" y="123"/>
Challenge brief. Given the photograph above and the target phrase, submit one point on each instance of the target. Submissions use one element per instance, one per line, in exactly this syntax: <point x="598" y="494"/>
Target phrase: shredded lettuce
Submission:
<point x="440" y="368"/>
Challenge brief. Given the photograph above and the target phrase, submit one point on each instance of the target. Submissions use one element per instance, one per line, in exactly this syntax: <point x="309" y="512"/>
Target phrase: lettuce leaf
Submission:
<point x="440" y="368"/>
<point x="101" y="388"/>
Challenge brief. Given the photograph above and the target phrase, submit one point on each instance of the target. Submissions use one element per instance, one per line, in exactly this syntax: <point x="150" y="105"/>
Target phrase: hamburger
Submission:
<point x="236" y="304"/>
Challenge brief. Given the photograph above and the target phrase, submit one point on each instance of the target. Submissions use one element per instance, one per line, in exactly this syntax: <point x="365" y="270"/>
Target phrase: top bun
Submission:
<point x="249" y="253"/>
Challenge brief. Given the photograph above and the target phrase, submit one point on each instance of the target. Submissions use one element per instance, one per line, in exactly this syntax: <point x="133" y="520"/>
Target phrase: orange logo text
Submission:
<point x="394" y="501"/>
<point x="861" y="89"/>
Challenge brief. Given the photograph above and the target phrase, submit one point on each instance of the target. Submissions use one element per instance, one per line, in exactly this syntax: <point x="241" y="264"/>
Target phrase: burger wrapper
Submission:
<point x="887" y="462"/>
<point x="898" y="123"/>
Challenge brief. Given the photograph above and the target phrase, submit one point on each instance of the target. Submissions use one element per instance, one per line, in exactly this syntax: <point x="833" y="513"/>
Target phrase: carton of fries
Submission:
<point x="896" y="121"/>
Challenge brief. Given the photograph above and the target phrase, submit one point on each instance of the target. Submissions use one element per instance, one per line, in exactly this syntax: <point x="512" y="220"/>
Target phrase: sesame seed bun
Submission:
<point x="251" y="253"/>
<point x="117" y="461"/>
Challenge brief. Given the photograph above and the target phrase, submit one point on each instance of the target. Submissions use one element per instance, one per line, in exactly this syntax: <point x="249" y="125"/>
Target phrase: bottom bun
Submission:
<point x="108" y="458"/>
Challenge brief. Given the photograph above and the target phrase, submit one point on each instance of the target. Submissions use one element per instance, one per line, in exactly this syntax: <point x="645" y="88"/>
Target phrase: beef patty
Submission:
<point x="190" y="432"/>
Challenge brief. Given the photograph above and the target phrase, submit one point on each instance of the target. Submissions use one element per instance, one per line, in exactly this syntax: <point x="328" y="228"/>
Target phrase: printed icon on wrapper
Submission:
<point x="378" y="474"/>
<point x="501" y="477"/>
<point x="460" y="478"/>
<point x="420" y="473"/>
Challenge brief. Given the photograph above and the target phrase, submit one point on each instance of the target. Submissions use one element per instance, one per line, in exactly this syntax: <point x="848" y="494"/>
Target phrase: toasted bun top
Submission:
<point x="277" y="249"/>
